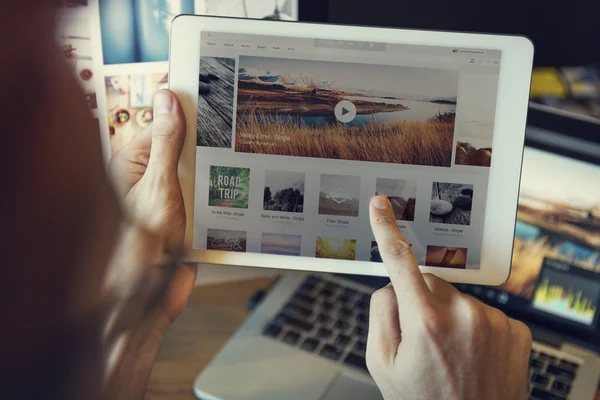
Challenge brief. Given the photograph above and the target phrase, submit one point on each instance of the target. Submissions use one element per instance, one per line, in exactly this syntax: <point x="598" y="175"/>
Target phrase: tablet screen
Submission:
<point x="295" y="135"/>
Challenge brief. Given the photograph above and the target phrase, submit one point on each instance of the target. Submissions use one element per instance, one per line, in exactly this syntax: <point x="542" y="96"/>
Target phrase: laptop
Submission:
<point x="306" y="340"/>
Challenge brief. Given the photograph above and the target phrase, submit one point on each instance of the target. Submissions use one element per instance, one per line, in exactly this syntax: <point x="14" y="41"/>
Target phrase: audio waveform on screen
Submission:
<point x="568" y="303"/>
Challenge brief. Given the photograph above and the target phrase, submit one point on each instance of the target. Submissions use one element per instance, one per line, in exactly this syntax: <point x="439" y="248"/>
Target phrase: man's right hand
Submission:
<point x="428" y="341"/>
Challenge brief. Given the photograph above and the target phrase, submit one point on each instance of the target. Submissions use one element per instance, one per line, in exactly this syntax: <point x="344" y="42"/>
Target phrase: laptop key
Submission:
<point x="360" y="331"/>
<point x="360" y="346"/>
<point x="342" y="340"/>
<point x="331" y="352"/>
<point x="342" y="325"/>
<point x="272" y="330"/>
<point x="350" y="292"/>
<point x="344" y="312"/>
<point x="331" y="286"/>
<point x="540" y="379"/>
<point x="356" y="361"/>
<point x="327" y="306"/>
<point x="309" y="344"/>
<point x="313" y="280"/>
<point x="363" y="318"/>
<point x="282" y="320"/>
<point x="568" y="365"/>
<point x="536" y="364"/>
<point x="362" y="303"/>
<point x="561" y="372"/>
<point x="291" y="337"/>
<point x="297" y="311"/>
<point x="324" y="333"/>
<point x="541" y="394"/>
<point x="324" y="319"/>
<point x="303" y="298"/>
<point x="561" y="387"/>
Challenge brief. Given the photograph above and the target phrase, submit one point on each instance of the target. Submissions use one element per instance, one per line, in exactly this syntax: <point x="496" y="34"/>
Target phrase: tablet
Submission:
<point x="293" y="127"/>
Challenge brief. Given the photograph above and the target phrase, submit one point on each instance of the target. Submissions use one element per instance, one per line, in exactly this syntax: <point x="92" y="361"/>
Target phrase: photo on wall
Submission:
<point x="129" y="105"/>
<point x="215" y="102"/>
<point x="402" y="195"/>
<point x="284" y="245"/>
<point x="284" y="191"/>
<point x="446" y="257"/>
<point x="285" y="10"/>
<point x="336" y="248"/>
<point x="228" y="187"/>
<point x="339" y="195"/>
<point x="74" y="38"/>
<point x="451" y="203"/>
<point x="226" y="240"/>
<point x="308" y="108"/>
<point x="136" y="31"/>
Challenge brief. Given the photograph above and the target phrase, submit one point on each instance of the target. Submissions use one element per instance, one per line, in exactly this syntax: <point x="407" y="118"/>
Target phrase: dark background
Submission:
<point x="564" y="33"/>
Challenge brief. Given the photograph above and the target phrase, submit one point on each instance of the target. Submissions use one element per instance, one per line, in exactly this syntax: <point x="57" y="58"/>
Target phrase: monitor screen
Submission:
<point x="556" y="259"/>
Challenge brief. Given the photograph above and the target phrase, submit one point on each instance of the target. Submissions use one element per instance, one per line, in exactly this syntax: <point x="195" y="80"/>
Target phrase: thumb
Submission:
<point x="168" y="132"/>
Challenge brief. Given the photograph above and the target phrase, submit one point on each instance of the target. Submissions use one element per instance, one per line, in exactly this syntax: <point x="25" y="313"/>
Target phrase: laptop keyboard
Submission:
<point x="329" y="319"/>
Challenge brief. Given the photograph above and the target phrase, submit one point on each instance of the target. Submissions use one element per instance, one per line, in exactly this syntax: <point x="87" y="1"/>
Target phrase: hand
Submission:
<point x="145" y="173"/>
<point x="428" y="341"/>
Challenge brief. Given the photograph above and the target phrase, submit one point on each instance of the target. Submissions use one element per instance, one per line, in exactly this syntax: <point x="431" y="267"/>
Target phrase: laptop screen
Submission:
<point x="556" y="257"/>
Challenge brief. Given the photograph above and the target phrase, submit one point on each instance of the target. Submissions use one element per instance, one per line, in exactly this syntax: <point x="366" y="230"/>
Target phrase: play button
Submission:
<point x="345" y="111"/>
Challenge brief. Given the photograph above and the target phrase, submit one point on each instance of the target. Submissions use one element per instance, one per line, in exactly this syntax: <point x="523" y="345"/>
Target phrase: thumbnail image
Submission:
<point x="375" y="255"/>
<point x="558" y="217"/>
<point x="475" y="130"/>
<point x="339" y="195"/>
<point x="285" y="245"/>
<point x="307" y="108"/>
<point x="129" y="105"/>
<point x="138" y="31"/>
<point x="259" y="9"/>
<point x="402" y="195"/>
<point x="339" y="249"/>
<point x="215" y="102"/>
<point x="446" y="257"/>
<point x="74" y="38"/>
<point x="229" y="187"/>
<point x="284" y="191"/>
<point x="224" y="240"/>
<point x="451" y="203"/>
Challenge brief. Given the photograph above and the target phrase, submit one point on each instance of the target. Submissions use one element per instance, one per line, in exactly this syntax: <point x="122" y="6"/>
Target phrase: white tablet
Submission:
<point x="293" y="127"/>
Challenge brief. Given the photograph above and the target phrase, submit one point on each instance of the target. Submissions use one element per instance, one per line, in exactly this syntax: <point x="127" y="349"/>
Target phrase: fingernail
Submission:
<point x="381" y="202"/>
<point x="163" y="102"/>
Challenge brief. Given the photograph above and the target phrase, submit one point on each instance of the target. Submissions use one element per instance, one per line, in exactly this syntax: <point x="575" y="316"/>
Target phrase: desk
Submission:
<point x="213" y="314"/>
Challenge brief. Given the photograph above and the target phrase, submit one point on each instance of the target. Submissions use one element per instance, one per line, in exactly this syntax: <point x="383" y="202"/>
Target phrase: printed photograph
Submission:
<point x="475" y="130"/>
<point x="285" y="10"/>
<point x="225" y="240"/>
<point x="307" y="108"/>
<point x="138" y="31"/>
<point x="129" y="105"/>
<point x="74" y="39"/>
<point x="451" y="203"/>
<point x="284" y="245"/>
<point x="284" y="191"/>
<point x="446" y="257"/>
<point x="228" y="187"/>
<point x="215" y="102"/>
<point x="339" y="249"/>
<point x="339" y="195"/>
<point x="401" y="193"/>
<point x="558" y="217"/>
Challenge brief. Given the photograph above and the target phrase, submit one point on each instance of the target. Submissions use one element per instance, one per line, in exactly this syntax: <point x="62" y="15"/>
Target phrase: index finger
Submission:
<point x="397" y="255"/>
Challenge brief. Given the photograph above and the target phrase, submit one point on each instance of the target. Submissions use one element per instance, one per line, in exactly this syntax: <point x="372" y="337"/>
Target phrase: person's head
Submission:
<point x="60" y="215"/>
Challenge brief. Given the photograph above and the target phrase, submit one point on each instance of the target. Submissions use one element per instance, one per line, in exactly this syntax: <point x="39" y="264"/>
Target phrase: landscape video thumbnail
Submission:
<point x="347" y="111"/>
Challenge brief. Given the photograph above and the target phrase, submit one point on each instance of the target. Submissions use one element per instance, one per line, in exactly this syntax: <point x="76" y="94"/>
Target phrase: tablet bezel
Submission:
<point x="508" y="137"/>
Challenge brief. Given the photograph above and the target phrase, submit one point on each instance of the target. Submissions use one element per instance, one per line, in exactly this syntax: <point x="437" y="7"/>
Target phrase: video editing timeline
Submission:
<point x="295" y="135"/>
<point x="567" y="292"/>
